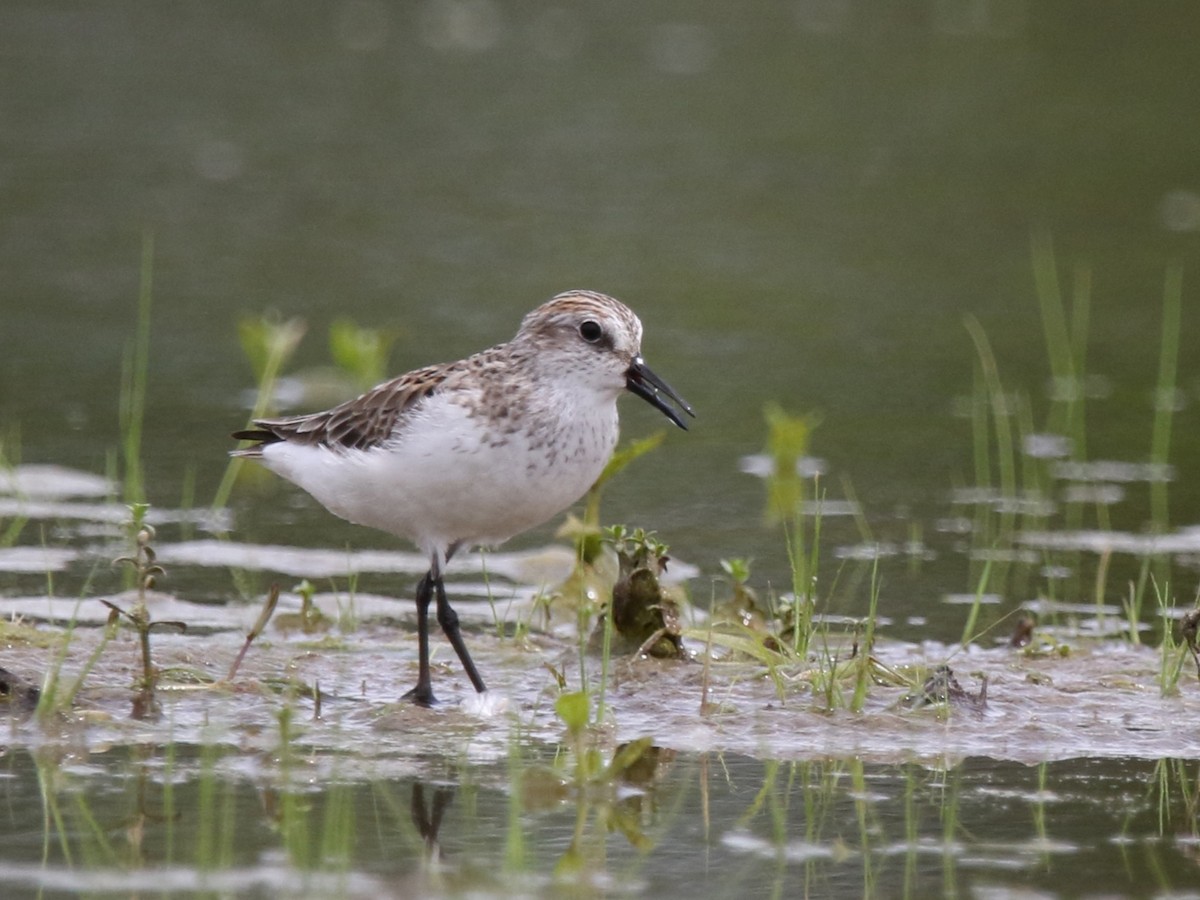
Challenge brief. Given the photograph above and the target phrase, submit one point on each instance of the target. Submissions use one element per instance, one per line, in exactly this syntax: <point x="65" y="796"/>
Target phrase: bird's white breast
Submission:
<point x="453" y="474"/>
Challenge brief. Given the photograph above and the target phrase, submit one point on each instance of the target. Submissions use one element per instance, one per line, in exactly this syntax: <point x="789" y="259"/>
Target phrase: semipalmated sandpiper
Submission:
<point x="473" y="452"/>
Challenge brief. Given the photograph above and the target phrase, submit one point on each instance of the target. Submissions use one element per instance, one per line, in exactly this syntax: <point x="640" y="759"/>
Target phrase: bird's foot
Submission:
<point x="421" y="695"/>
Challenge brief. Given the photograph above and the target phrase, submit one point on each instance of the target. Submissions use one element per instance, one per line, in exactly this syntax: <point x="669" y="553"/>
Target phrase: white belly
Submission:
<point x="448" y="480"/>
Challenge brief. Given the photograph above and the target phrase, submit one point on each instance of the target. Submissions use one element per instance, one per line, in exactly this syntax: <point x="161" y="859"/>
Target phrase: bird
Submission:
<point x="473" y="452"/>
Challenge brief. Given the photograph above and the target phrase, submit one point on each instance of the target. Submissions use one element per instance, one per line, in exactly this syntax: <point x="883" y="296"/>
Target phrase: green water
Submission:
<point x="803" y="201"/>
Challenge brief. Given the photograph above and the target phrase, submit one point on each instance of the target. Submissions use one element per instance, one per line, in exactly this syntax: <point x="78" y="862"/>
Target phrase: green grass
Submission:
<point x="1172" y="654"/>
<point x="1004" y="417"/>
<point x="135" y="376"/>
<point x="1066" y="338"/>
<point x="361" y="352"/>
<point x="268" y="342"/>
<point x="1165" y="400"/>
<point x="787" y="443"/>
<point x="55" y="699"/>
<point x="969" y="633"/>
<point x="866" y="645"/>
<point x="10" y="458"/>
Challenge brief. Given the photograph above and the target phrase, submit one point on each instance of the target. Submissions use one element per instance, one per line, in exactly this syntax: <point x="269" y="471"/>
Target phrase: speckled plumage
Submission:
<point x="475" y="451"/>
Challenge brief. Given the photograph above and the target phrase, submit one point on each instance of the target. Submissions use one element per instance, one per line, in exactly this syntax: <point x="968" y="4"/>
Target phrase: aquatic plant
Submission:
<point x="310" y="619"/>
<point x="597" y="781"/>
<point x="866" y="646"/>
<point x="362" y="353"/>
<point x="786" y="446"/>
<point x="1066" y="338"/>
<point x="135" y="370"/>
<point x="968" y="633"/>
<point x="643" y="612"/>
<point x="1165" y="393"/>
<point x="260" y="624"/>
<point x="146" y="572"/>
<point x="1171" y="653"/>
<point x="10" y="457"/>
<point x="268" y="342"/>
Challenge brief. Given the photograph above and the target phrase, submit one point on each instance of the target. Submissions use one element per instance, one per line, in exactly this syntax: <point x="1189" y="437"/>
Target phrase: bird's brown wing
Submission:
<point x="358" y="424"/>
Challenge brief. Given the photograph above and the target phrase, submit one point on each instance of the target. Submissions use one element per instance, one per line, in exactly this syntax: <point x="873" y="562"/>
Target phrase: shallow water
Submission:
<point x="303" y="773"/>
<point x="804" y="202"/>
<point x="820" y="828"/>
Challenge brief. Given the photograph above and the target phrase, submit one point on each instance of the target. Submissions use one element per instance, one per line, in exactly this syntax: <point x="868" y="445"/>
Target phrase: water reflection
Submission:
<point x="428" y="819"/>
<point x="832" y="828"/>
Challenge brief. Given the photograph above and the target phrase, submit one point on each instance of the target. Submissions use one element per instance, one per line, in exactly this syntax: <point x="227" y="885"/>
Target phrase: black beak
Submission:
<point x="641" y="381"/>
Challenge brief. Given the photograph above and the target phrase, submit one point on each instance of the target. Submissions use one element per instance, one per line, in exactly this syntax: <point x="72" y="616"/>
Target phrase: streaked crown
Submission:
<point x="577" y="319"/>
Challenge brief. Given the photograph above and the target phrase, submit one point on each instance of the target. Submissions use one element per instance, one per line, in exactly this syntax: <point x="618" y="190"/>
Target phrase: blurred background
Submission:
<point x="803" y="200"/>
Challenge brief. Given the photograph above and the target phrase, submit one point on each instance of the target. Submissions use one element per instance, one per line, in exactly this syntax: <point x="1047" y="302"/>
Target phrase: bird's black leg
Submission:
<point x="430" y="823"/>
<point x="422" y="694"/>
<point x="448" y="619"/>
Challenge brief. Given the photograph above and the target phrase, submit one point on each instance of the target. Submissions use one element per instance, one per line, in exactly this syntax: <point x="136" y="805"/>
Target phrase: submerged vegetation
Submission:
<point x="633" y="710"/>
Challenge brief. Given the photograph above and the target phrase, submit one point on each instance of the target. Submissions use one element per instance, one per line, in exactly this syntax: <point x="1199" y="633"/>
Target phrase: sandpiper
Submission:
<point x="470" y="453"/>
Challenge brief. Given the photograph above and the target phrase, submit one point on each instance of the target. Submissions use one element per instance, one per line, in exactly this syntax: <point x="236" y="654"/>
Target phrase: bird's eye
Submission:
<point x="591" y="331"/>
